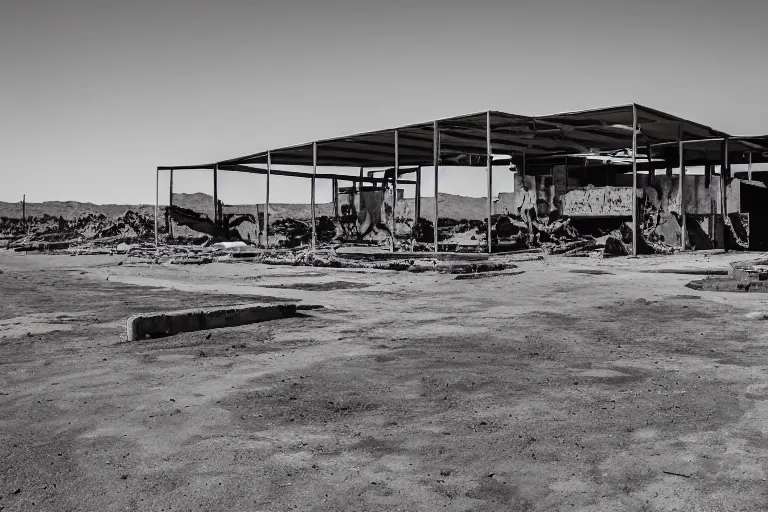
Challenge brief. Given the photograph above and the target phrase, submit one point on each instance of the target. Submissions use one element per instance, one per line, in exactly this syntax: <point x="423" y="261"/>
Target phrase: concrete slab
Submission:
<point x="188" y="320"/>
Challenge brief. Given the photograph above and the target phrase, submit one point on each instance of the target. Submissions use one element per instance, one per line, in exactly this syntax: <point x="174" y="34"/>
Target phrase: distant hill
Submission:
<point x="452" y="206"/>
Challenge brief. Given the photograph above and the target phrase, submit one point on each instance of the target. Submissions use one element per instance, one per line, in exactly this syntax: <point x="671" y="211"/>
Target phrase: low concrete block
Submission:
<point x="189" y="320"/>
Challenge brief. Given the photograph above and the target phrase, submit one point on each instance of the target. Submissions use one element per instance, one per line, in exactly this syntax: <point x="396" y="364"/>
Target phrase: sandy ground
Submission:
<point x="580" y="384"/>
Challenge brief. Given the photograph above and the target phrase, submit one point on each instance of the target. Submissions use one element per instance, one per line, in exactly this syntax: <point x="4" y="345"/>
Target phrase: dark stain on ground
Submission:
<point x="497" y="495"/>
<point x="319" y="287"/>
<point x="109" y="300"/>
<point x="628" y="375"/>
<point x="306" y="399"/>
<point x="376" y="446"/>
<point x="590" y="271"/>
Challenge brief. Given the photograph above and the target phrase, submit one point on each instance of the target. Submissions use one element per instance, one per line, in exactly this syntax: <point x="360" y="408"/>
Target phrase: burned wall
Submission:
<point x="537" y="192"/>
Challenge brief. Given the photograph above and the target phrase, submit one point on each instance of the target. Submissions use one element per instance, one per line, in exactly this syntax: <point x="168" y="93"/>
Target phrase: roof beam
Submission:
<point x="295" y="174"/>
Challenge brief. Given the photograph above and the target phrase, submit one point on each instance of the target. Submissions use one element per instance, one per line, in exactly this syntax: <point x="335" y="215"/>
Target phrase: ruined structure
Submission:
<point x="620" y="172"/>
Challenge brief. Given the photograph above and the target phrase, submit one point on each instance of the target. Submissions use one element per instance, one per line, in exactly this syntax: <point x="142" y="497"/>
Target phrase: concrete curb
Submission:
<point x="189" y="320"/>
<point x="688" y="271"/>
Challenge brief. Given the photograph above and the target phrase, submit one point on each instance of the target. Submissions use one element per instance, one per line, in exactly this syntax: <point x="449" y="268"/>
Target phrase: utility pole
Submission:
<point x="24" y="211"/>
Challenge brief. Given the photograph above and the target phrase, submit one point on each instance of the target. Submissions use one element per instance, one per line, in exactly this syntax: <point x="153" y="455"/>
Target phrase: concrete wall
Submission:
<point x="664" y="192"/>
<point x="597" y="202"/>
<point x="529" y="192"/>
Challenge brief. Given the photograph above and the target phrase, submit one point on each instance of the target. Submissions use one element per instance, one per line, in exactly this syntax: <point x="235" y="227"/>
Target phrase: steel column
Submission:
<point x="489" y="164"/>
<point x="635" y="225"/>
<point x="417" y="205"/>
<point x="723" y="196"/>
<point x="436" y="158"/>
<point x="394" y="187"/>
<point x="683" y="225"/>
<point x="157" y="201"/>
<point x="266" y="206"/>
<point x="314" y="175"/>
<point x="216" y="195"/>
<point x="170" y="203"/>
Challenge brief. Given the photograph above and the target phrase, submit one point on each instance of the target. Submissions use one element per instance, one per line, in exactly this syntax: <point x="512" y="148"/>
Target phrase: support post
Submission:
<point x="707" y="175"/>
<point x="489" y="164"/>
<point x="651" y="168"/>
<point x="565" y="171"/>
<point x="335" y="198"/>
<point x="266" y="206"/>
<point x="417" y="204"/>
<point x="635" y="225"/>
<point x="683" y="223"/>
<point x="216" y="195"/>
<point x="394" y="187"/>
<point x="436" y="158"/>
<point x="24" y="211"/>
<point x="314" y="174"/>
<point x="157" y="201"/>
<point x="170" y="203"/>
<point x="724" y="168"/>
<point x="749" y="168"/>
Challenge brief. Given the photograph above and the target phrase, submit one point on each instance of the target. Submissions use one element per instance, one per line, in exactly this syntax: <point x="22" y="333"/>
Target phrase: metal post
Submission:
<point x="651" y="167"/>
<point x="749" y="168"/>
<point x="314" y="174"/>
<point x="216" y="195"/>
<point x="335" y="184"/>
<point x="489" y="165"/>
<point x="157" y="201"/>
<point x="170" y="203"/>
<point x="436" y="158"/>
<point x="417" y="204"/>
<point x="394" y="186"/>
<point x="683" y="224"/>
<point x="635" y="225"/>
<point x="266" y="206"/>
<point x="24" y="211"/>
<point x="565" y="169"/>
<point x="723" y="195"/>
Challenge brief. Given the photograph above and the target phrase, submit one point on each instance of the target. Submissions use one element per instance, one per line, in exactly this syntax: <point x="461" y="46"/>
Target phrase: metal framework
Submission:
<point x="476" y="139"/>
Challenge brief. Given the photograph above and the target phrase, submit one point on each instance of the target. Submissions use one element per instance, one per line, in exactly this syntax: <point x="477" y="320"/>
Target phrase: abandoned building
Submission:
<point x="643" y="180"/>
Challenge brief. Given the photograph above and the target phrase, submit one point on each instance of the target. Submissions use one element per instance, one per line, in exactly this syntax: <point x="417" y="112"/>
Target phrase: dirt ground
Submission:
<point x="579" y="384"/>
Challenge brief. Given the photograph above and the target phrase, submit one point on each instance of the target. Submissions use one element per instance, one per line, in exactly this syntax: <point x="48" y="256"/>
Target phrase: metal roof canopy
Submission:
<point x="741" y="150"/>
<point x="561" y="134"/>
<point x="463" y="139"/>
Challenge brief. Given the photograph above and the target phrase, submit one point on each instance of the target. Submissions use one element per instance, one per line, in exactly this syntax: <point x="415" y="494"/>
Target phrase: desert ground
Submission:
<point x="579" y="384"/>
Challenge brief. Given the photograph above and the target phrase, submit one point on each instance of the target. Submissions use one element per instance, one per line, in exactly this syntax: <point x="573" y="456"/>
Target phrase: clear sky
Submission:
<point x="94" y="94"/>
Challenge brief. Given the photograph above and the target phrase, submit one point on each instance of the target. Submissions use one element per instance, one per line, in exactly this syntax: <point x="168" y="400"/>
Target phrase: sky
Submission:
<point x="95" y="94"/>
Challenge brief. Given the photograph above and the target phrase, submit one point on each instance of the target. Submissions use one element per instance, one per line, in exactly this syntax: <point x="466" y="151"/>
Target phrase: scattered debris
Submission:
<point x="676" y="474"/>
<point x="487" y="274"/>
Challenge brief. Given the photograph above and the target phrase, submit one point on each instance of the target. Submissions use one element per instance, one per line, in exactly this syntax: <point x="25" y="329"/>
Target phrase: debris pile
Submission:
<point x="392" y="261"/>
<point x="88" y="230"/>
<point x="230" y="227"/>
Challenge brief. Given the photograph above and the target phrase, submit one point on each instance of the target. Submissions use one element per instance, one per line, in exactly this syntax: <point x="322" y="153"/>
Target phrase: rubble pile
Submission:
<point x="87" y="230"/>
<point x="330" y="258"/>
<point x="552" y="233"/>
